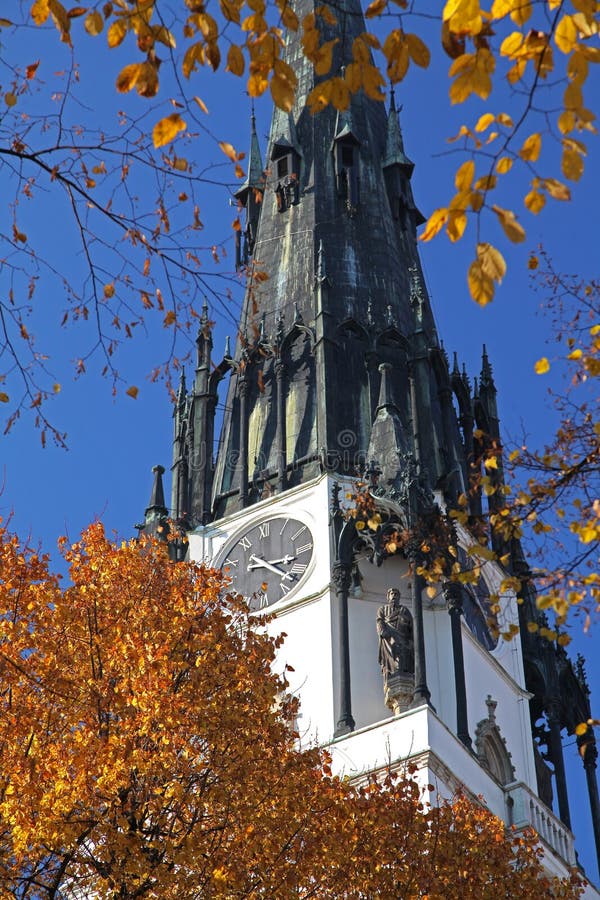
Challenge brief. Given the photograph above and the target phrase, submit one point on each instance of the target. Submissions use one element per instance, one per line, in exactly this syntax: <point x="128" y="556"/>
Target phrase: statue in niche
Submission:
<point x="395" y="630"/>
<point x="396" y="652"/>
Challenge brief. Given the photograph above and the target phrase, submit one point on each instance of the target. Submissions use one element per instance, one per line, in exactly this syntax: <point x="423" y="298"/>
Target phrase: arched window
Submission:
<point x="491" y="748"/>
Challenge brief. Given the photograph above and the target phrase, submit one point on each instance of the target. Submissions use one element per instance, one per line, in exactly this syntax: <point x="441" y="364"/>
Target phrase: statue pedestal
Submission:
<point x="398" y="691"/>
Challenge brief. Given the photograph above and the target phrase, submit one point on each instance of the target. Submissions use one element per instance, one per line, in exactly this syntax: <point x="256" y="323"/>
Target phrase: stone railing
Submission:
<point x="529" y="811"/>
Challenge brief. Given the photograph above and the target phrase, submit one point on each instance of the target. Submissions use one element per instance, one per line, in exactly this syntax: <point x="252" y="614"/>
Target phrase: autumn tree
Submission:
<point x="129" y="191"/>
<point x="149" y="751"/>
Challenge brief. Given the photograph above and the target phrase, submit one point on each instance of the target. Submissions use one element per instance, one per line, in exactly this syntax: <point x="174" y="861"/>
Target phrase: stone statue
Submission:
<point x="395" y="630"/>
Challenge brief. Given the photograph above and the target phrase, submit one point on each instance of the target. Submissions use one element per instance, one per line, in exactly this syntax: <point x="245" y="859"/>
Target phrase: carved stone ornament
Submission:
<point x="491" y="748"/>
<point x="396" y="652"/>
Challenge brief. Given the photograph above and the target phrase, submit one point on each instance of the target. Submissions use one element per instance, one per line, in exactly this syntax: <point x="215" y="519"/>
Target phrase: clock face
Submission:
<point x="269" y="560"/>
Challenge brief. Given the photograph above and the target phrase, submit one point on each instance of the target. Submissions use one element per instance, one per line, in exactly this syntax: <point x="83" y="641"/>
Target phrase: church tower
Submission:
<point x="347" y="439"/>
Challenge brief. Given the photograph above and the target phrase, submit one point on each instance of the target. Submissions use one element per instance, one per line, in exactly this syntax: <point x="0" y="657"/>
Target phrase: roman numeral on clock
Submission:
<point x="303" y="549"/>
<point x="298" y="569"/>
<point x="246" y="543"/>
<point x="263" y="529"/>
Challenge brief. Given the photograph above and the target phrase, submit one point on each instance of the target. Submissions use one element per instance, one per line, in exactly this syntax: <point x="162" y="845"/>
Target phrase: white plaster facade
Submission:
<point x="308" y="616"/>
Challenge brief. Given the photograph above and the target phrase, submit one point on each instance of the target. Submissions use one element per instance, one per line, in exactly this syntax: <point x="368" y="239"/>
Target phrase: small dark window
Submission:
<point x="347" y="155"/>
<point x="282" y="166"/>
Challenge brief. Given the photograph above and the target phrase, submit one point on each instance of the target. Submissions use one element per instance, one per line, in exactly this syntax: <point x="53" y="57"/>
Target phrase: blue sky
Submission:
<point x="114" y="441"/>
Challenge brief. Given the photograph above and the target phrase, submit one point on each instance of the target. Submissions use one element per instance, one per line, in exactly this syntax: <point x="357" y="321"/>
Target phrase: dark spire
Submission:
<point x="487" y="379"/>
<point x="394" y="144"/>
<point x="181" y="391"/>
<point x="336" y="234"/>
<point x="156" y="514"/>
<point x="157" y="497"/>
<point x="255" y="174"/>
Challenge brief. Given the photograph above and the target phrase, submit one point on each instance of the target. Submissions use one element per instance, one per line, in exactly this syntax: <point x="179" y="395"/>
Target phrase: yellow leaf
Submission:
<point x="375" y="8"/>
<point x="530" y="151"/>
<point x="419" y="52"/>
<point x="533" y="262"/>
<point x="132" y="392"/>
<point x="481" y="286"/>
<point x="10" y="99"/>
<point x="457" y="222"/>
<point x="501" y="8"/>
<point x="283" y="93"/>
<point x="486" y="183"/>
<point x="436" y="222"/>
<point x="492" y="261"/>
<point x="535" y="202"/>
<point x="167" y="129"/>
<point x="504" y="165"/>
<point x="542" y="366"/>
<point x="513" y="231"/>
<point x="201" y="104"/>
<point x="170" y="318"/>
<point x="521" y="12"/>
<point x="571" y="164"/>
<point x="566" y="121"/>
<point x="511" y="44"/>
<point x="93" y="23"/>
<point x="257" y="84"/>
<point x="116" y="32"/>
<point x="565" y="34"/>
<point x="109" y="290"/>
<point x="576" y="354"/>
<point x="228" y="150"/>
<point x="4" y="398"/>
<point x="128" y="76"/>
<point x="235" y="61"/>
<point x="464" y="16"/>
<point x="464" y="176"/>
<point x="581" y="729"/>
<point x="40" y="11"/>
<point x="485" y="121"/>
<point x="556" y="189"/>
<point x="504" y="119"/>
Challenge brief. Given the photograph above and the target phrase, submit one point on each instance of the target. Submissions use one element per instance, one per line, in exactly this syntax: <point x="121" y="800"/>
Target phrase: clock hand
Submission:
<point x="257" y="563"/>
<point x="284" y="559"/>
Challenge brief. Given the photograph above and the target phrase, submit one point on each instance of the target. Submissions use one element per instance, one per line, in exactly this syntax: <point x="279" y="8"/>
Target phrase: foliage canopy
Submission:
<point x="149" y="751"/>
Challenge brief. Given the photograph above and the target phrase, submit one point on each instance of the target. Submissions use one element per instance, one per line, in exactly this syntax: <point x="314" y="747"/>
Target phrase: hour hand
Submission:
<point x="284" y="559"/>
<point x="257" y="563"/>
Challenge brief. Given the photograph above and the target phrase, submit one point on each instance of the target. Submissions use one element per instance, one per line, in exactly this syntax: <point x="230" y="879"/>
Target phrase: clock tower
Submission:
<point x="347" y="438"/>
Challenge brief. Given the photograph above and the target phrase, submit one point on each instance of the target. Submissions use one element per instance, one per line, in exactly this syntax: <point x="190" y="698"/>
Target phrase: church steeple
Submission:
<point x="336" y="193"/>
<point x="249" y="197"/>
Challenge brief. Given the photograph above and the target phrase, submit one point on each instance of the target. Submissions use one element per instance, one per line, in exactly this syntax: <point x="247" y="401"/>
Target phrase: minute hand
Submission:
<point x="256" y="562"/>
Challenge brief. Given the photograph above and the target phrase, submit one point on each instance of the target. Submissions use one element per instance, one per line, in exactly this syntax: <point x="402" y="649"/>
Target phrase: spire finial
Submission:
<point x="227" y="353"/>
<point x="157" y="497"/>
<point x="487" y="377"/>
<point x="386" y="397"/>
<point x="181" y="390"/>
<point x="455" y="369"/>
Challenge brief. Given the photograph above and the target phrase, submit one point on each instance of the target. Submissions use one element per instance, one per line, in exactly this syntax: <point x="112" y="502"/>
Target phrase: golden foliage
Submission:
<point x="148" y="750"/>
